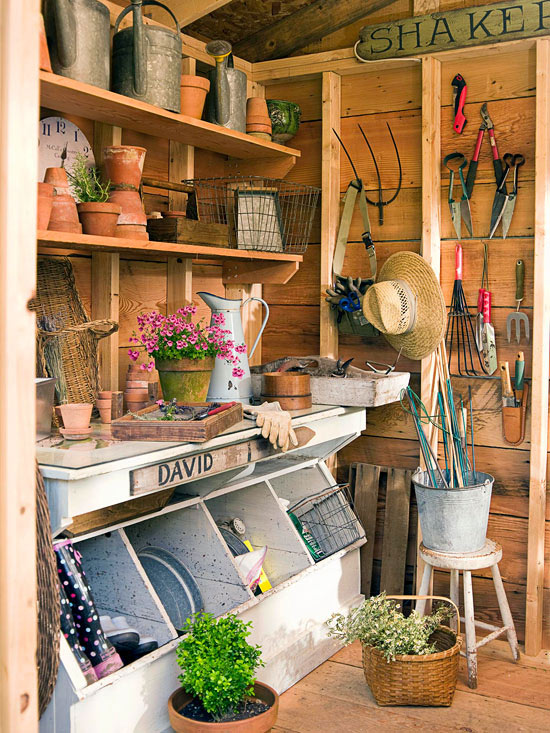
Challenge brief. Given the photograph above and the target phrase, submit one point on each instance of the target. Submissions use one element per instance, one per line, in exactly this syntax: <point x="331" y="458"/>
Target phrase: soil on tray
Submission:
<point x="247" y="709"/>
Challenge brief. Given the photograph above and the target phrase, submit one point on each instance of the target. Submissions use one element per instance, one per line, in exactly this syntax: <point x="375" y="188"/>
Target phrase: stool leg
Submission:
<point x="470" y="629"/>
<point x="505" y="612"/>
<point x="455" y="596"/>
<point x="424" y="588"/>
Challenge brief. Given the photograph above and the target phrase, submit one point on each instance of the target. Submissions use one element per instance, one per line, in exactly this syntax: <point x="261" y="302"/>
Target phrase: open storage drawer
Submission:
<point x="288" y="619"/>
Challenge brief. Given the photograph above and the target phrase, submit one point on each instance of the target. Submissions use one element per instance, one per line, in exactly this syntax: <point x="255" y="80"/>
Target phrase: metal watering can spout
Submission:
<point x="65" y="27"/>
<point x="221" y="52"/>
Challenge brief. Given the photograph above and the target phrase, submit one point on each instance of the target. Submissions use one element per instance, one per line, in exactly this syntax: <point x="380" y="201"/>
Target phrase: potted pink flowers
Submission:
<point x="183" y="352"/>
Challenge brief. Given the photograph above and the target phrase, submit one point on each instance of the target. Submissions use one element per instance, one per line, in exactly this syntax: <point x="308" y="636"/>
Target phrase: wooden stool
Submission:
<point x="488" y="557"/>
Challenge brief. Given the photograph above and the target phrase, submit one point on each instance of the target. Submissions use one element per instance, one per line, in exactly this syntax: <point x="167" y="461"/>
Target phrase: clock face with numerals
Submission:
<point x="54" y="134"/>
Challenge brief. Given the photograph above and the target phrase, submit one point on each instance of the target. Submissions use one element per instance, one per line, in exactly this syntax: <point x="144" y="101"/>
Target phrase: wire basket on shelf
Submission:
<point x="326" y="521"/>
<point x="268" y="214"/>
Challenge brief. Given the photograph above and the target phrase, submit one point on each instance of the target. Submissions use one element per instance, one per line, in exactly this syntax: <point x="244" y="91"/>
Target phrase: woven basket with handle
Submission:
<point x="416" y="679"/>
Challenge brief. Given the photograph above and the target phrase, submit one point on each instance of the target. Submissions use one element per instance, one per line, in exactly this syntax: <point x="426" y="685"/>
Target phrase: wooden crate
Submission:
<point x="188" y="231"/>
<point x="191" y="431"/>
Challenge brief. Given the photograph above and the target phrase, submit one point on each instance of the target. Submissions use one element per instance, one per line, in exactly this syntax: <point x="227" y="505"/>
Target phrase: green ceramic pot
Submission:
<point x="185" y="379"/>
<point x="285" y="119"/>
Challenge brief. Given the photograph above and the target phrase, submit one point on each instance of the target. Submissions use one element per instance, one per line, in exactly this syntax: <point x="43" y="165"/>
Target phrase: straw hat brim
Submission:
<point x="431" y="313"/>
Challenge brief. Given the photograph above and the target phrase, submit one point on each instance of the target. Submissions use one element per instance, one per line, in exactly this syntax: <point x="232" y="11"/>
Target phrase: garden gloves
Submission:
<point x="276" y="424"/>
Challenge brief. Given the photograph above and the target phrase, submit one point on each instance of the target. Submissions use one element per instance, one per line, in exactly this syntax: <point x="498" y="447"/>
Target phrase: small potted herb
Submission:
<point x="97" y="215"/>
<point x="219" y="690"/>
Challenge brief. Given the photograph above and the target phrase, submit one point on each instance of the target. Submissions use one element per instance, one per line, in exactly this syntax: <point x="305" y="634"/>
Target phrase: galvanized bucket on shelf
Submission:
<point x="147" y="59"/>
<point x="453" y="520"/>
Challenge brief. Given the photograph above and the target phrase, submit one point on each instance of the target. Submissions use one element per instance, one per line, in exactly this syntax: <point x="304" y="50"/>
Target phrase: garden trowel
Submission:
<point x="488" y="343"/>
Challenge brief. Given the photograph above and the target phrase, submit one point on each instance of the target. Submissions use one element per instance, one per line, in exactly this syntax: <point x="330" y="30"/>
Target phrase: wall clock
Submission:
<point x="54" y="134"/>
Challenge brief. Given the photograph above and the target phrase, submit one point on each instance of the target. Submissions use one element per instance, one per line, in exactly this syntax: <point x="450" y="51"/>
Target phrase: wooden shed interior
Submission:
<point x="298" y="50"/>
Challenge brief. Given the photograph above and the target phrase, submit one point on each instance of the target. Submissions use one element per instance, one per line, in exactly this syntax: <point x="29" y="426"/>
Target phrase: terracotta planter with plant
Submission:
<point x="219" y="691"/>
<point x="193" y="95"/>
<point x="98" y="216"/>
<point x="183" y="352"/>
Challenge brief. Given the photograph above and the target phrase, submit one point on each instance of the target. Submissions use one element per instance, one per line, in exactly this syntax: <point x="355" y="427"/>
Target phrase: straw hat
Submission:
<point x="406" y="305"/>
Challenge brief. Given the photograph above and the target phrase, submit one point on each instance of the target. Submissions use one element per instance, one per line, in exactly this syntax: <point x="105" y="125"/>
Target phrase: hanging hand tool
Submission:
<point x="456" y="162"/>
<point x="459" y="92"/>
<point x="508" y="399"/>
<point x="486" y="124"/>
<point x="460" y="330"/>
<point x="485" y="332"/>
<point x="381" y="203"/>
<point x="518" y="318"/>
<point x="503" y="203"/>
<point x="519" y="377"/>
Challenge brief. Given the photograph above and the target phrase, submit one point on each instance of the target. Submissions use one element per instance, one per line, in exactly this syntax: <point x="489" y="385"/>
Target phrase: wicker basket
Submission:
<point x="416" y="679"/>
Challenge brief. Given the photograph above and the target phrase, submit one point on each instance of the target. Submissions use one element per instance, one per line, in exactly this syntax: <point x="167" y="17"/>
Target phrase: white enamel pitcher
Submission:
<point x="224" y="387"/>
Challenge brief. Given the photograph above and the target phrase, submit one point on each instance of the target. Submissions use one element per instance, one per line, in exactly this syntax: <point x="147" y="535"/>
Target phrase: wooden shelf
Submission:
<point x="74" y="97"/>
<point x="240" y="265"/>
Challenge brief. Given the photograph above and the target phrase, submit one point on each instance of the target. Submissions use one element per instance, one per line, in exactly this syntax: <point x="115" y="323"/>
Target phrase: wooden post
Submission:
<point x="19" y="112"/>
<point x="330" y="206"/>
<point x="431" y="232"/>
<point x="179" y="271"/>
<point x="106" y="277"/>
<point x="540" y="370"/>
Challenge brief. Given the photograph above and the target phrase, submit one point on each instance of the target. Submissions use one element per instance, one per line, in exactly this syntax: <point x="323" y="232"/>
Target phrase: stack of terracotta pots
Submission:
<point x="123" y="167"/>
<point x="45" y="202"/>
<point x="258" y="121"/>
<point x="104" y="405"/>
<point x="139" y="388"/>
<point x="193" y="95"/>
<point x="64" y="215"/>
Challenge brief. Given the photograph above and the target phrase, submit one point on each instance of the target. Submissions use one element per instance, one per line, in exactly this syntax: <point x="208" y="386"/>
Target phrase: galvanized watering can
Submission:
<point x="147" y="59"/>
<point x="79" y="39"/>
<point x="226" y="100"/>
<point x="224" y="387"/>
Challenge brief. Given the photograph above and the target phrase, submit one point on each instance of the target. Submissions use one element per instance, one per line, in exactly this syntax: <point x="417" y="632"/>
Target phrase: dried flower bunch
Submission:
<point x="378" y="622"/>
<point x="87" y="182"/>
<point x="177" y="337"/>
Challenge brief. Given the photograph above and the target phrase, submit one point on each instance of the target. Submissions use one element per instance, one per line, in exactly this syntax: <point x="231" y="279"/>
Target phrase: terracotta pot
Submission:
<point x="45" y="63"/>
<point x="193" y="95"/>
<point x="76" y="416"/>
<point x="99" y="218"/>
<point x="260" y="135"/>
<point x="105" y="394"/>
<point x="258" y="724"/>
<point x="45" y="201"/>
<point x="132" y="231"/>
<point x="131" y="207"/>
<point x="259" y="128"/>
<point x="64" y="216"/>
<point x="58" y="178"/>
<point x="123" y="164"/>
<point x="137" y="384"/>
<point x="137" y="395"/>
<point x="105" y="414"/>
<point x="174" y="215"/>
<point x="103" y="402"/>
<point x="256" y="107"/>
<point x="185" y="379"/>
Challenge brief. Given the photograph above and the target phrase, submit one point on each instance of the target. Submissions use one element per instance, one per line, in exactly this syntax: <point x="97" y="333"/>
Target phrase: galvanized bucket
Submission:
<point x="147" y="59"/>
<point x="453" y="520"/>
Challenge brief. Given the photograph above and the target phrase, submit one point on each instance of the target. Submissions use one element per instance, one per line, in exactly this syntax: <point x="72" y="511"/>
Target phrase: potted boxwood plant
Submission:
<point x="407" y="660"/>
<point x="219" y="690"/>
<point x="97" y="215"/>
<point x="183" y="352"/>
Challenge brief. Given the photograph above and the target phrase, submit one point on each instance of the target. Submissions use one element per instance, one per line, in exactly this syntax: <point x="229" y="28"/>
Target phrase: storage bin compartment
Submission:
<point x="190" y="536"/>
<point x="119" y="586"/>
<point x="297" y="486"/>
<point x="267" y="524"/>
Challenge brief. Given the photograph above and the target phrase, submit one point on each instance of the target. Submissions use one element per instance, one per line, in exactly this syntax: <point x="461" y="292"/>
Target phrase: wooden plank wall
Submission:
<point x="507" y="83"/>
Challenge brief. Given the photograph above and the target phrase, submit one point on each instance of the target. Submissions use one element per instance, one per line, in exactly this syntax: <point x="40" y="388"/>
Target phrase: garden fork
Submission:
<point x="517" y="317"/>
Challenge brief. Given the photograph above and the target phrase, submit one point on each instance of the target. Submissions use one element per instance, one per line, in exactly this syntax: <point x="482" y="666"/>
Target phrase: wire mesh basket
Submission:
<point x="326" y="521"/>
<point x="268" y="214"/>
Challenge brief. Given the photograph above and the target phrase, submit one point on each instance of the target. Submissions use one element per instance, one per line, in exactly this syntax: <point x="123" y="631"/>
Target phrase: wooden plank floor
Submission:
<point x="510" y="698"/>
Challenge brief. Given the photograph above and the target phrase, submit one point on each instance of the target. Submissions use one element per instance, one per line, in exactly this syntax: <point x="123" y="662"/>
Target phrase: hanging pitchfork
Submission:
<point x="381" y="203"/>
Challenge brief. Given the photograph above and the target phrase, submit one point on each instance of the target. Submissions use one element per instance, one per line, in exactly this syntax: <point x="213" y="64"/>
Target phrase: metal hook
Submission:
<point x="381" y="203"/>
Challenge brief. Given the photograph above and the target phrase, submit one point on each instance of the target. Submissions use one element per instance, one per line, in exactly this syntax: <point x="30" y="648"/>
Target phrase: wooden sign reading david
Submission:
<point x="506" y="21"/>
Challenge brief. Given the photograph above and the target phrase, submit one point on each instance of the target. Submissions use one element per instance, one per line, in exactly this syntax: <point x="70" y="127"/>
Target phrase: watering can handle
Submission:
<point x="143" y="3"/>
<point x="263" y="323"/>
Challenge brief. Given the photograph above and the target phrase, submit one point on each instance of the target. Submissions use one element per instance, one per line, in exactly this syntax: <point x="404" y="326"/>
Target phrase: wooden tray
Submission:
<point x="188" y="231"/>
<point x="190" y="431"/>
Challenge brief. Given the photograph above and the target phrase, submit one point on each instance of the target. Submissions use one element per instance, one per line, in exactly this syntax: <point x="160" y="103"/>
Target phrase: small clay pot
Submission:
<point x="174" y="215"/>
<point x="44" y="206"/>
<point x="99" y="403"/>
<point x="64" y="216"/>
<point x="123" y="164"/>
<point x="266" y="129"/>
<point x="99" y="218"/>
<point x="105" y="414"/>
<point x="256" y="107"/>
<point x="137" y="384"/>
<point x="136" y="395"/>
<point x="58" y="178"/>
<point x="76" y="416"/>
<point x="105" y="394"/>
<point x="131" y="207"/>
<point x="193" y="95"/>
<point x="132" y="231"/>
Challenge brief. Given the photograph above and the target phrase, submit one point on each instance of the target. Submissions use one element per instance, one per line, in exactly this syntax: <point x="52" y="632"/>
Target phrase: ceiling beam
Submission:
<point x="186" y="11"/>
<point x="306" y="25"/>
